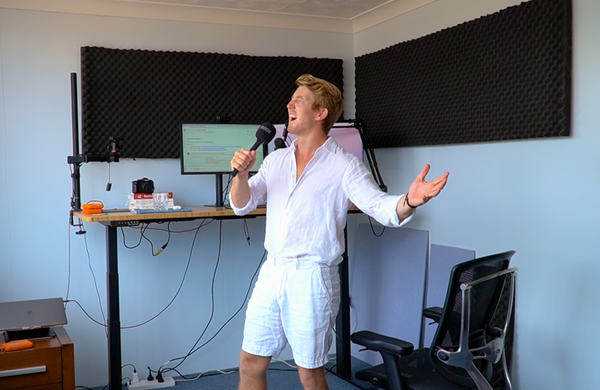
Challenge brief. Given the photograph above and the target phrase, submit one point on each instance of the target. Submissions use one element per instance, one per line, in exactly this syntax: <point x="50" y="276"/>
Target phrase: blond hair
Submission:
<point x="326" y="96"/>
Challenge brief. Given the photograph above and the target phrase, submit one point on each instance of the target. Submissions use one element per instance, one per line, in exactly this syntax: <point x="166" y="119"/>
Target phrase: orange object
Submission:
<point x="16" y="345"/>
<point x="92" y="208"/>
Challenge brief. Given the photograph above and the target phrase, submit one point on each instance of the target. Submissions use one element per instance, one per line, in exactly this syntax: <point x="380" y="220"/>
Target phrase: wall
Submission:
<point x="41" y="256"/>
<point x="538" y="197"/>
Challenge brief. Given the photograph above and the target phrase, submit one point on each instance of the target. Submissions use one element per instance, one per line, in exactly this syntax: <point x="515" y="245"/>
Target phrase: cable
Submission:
<point x="144" y="226"/>
<point x="87" y="250"/>
<point x="211" y="372"/>
<point x="168" y="239"/>
<point x="247" y="232"/>
<point x="212" y="304"/>
<point x="204" y="222"/>
<point x="284" y="362"/>
<point x="180" y="284"/>
<point x="108" y="183"/>
<point x="143" y="236"/>
<point x="194" y="349"/>
<point x="373" y="229"/>
<point x="86" y="313"/>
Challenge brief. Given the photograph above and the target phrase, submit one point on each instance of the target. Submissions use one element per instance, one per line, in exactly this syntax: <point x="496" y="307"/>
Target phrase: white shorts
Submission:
<point x="293" y="301"/>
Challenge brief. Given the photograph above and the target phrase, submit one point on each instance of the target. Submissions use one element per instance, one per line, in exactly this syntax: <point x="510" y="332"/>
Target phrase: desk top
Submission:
<point x="197" y="212"/>
<point x="125" y="218"/>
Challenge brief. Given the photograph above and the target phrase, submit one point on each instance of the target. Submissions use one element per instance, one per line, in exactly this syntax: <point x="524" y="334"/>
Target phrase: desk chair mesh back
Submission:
<point x="487" y="315"/>
<point x="469" y="341"/>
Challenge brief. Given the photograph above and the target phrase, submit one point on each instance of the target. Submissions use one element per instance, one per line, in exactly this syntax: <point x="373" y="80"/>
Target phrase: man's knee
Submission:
<point x="253" y="365"/>
<point x="313" y="379"/>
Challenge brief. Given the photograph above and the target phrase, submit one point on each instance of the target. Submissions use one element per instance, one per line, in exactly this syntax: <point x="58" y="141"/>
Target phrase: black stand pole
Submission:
<point x="75" y="176"/>
<point x="343" y="353"/>
<point x="219" y="189"/>
<point x="114" y="316"/>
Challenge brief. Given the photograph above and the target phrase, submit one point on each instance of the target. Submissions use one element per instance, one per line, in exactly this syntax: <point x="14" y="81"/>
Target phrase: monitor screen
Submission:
<point x="208" y="147"/>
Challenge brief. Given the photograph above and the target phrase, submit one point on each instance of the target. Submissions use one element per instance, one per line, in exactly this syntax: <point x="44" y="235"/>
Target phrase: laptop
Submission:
<point x="31" y="319"/>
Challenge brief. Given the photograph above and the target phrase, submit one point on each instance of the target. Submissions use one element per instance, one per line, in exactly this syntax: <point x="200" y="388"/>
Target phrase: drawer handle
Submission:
<point x="22" y="371"/>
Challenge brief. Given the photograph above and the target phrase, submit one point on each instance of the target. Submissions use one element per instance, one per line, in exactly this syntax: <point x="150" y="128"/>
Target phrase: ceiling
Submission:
<point x="347" y="9"/>
<point x="346" y="16"/>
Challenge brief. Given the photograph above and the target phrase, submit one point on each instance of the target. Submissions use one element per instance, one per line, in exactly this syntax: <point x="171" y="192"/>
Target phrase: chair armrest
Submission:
<point x="434" y="313"/>
<point x="380" y="343"/>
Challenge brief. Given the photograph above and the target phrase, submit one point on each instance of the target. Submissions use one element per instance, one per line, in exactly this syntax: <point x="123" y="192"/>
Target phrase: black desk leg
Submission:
<point x="342" y="325"/>
<point x="114" y="321"/>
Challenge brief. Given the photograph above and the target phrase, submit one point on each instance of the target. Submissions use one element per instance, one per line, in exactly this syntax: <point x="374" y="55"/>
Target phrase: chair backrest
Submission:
<point x="484" y="315"/>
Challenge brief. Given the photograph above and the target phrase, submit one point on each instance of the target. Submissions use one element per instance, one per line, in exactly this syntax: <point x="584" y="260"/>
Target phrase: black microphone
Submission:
<point x="280" y="142"/>
<point x="264" y="135"/>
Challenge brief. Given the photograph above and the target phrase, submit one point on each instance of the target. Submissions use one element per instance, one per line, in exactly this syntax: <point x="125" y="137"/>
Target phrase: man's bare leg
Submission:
<point x="253" y="371"/>
<point x="313" y="379"/>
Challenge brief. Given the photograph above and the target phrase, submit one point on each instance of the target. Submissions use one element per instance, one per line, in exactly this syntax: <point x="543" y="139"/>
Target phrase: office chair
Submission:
<point x="469" y="342"/>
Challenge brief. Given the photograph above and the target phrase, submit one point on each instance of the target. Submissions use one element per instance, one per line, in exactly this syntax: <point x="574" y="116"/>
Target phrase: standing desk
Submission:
<point x="114" y="220"/>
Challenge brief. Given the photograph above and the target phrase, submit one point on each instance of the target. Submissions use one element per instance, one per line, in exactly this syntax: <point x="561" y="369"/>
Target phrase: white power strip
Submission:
<point x="145" y="384"/>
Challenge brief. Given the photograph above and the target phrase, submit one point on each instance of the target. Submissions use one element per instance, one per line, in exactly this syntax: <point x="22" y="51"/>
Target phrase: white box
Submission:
<point x="138" y="201"/>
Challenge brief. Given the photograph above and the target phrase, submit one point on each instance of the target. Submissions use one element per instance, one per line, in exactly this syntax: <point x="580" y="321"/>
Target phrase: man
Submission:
<point x="309" y="187"/>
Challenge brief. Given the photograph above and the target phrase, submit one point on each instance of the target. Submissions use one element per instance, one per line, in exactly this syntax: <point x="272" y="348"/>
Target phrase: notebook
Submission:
<point x="27" y="316"/>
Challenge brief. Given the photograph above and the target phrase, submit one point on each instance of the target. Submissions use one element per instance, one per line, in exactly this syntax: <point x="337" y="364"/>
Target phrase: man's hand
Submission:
<point x="421" y="191"/>
<point x="243" y="160"/>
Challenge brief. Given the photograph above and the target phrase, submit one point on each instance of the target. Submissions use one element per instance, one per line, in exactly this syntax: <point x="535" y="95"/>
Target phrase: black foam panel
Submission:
<point x="504" y="76"/>
<point x="141" y="95"/>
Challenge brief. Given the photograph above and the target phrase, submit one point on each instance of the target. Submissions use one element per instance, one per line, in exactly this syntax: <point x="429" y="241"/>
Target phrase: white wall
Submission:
<point x="40" y="254"/>
<point x="539" y="197"/>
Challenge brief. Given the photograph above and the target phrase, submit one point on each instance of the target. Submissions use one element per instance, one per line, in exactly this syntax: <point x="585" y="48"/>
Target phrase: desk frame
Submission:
<point x="114" y="220"/>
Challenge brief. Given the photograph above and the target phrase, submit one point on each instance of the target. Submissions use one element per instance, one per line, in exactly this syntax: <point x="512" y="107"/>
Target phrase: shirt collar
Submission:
<point x="329" y="145"/>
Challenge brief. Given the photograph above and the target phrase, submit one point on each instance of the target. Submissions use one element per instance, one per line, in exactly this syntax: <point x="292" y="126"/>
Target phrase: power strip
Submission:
<point x="145" y="384"/>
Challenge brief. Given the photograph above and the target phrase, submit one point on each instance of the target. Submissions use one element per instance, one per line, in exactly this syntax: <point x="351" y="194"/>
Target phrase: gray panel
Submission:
<point x="387" y="286"/>
<point x="441" y="260"/>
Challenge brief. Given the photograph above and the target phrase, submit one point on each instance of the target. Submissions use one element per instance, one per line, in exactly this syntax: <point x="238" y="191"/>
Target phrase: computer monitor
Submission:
<point x="207" y="149"/>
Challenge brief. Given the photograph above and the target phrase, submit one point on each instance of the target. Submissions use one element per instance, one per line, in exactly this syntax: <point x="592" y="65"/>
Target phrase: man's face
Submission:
<point x="301" y="115"/>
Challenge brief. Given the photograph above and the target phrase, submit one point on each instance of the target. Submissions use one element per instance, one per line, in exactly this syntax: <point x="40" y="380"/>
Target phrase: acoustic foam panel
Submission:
<point x="141" y="95"/>
<point x="504" y="76"/>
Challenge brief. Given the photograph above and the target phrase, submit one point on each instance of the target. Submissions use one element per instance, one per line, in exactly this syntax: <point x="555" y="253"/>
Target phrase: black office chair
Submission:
<point x="469" y="342"/>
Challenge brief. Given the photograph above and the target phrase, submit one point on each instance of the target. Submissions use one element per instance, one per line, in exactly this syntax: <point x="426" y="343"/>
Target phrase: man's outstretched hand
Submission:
<point x="421" y="191"/>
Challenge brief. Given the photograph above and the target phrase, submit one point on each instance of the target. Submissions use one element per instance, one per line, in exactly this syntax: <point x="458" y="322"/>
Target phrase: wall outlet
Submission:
<point x="145" y="384"/>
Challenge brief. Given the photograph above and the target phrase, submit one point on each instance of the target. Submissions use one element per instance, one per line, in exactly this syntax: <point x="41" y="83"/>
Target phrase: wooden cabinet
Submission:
<point x="49" y="365"/>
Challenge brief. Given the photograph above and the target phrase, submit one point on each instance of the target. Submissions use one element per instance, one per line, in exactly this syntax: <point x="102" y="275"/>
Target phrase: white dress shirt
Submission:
<point x="306" y="218"/>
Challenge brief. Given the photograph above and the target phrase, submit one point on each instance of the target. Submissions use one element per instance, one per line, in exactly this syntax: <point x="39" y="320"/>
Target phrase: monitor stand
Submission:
<point x="218" y="191"/>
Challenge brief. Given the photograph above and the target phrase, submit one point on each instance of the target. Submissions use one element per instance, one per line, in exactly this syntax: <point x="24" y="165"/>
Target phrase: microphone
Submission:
<point x="280" y="142"/>
<point x="264" y="135"/>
